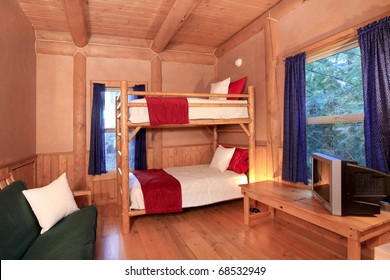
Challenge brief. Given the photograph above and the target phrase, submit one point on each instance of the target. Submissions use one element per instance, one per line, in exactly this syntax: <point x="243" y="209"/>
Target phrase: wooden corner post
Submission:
<point x="252" y="136"/>
<point x="125" y="158"/>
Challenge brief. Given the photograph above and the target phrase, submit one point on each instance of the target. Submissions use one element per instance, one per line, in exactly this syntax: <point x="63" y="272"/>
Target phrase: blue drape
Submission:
<point x="97" y="159"/>
<point x="294" y="168"/>
<point x="374" y="42"/>
<point x="140" y="142"/>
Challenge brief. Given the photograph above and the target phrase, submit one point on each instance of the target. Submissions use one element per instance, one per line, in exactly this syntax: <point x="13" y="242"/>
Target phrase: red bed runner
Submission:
<point x="167" y="110"/>
<point x="162" y="191"/>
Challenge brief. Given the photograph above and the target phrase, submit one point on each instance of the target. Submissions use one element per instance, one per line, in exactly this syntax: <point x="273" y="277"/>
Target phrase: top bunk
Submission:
<point x="185" y="109"/>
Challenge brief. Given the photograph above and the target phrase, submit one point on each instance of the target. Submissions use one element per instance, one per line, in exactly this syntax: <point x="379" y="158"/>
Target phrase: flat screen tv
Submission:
<point x="345" y="188"/>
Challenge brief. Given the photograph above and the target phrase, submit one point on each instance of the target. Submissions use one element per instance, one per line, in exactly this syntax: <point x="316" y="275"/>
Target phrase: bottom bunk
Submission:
<point x="172" y="189"/>
<point x="200" y="185"/>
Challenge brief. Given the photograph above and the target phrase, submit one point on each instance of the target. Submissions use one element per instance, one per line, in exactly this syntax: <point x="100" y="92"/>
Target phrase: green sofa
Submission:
<point x="72" y="238"/>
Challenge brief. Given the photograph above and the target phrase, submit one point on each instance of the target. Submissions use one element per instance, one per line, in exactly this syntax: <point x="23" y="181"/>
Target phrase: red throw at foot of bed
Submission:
<point x="167" y="110"/>
<point x="161" y="191"/>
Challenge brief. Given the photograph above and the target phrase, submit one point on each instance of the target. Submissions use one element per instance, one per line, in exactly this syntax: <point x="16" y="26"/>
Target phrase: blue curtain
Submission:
<point x="97" y="159"/>
<point x="140" y="142"/>
<point x="294" y="167"/>
<point x="374" y="42"/>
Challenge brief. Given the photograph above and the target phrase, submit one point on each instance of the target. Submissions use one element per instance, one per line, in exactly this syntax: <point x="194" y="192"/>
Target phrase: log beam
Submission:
<point x="79" y="120"/>
<point x="176" y="17"/>
<point x="74" y="11"/>
<point x="273" y="108"/>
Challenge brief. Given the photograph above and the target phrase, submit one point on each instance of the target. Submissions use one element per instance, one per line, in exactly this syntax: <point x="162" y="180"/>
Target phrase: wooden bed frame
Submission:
<point x="123" y="126"/>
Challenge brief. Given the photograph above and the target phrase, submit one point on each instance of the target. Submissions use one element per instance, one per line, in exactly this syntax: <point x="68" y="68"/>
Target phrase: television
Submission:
<point x="345" y="188"/>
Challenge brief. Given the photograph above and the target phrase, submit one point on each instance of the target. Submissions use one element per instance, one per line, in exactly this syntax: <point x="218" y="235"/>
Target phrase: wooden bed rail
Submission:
<point x="183" y="94"/>
<point x="125" y="131"/>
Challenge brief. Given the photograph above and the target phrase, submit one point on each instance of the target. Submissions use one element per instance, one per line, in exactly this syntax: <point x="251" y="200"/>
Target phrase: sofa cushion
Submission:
<point x="71" y="238"/>
<point x="51" y="203"/>
<point x="19" y="226"/>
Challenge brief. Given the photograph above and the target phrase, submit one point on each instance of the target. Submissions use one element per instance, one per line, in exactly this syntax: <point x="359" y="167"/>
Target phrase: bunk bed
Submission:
<point x="129" y="123"/>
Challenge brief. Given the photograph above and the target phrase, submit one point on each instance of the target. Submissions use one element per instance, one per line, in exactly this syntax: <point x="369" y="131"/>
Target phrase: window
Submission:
<point x="110" y="131"/>
<point x="334" y="104"/>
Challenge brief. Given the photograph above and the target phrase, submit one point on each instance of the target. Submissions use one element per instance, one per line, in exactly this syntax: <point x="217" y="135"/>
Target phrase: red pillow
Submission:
<point x="239" y="163"/>
<point x="236" y="87"/>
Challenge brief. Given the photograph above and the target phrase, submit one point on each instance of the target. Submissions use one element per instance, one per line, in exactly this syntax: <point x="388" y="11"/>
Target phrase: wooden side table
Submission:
<point x="299" y="202"/>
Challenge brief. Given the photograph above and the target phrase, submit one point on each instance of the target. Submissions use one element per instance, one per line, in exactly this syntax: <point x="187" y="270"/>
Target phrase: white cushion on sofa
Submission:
<point x="52" y="202"/>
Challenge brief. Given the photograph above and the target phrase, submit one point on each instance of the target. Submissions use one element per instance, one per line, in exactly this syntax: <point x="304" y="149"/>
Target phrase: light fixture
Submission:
<point x="238" y="62"/>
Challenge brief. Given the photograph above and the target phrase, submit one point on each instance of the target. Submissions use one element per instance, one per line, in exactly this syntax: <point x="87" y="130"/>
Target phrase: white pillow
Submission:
<point x="222" y="158"/>
<point x="221" y="87"/>
<point x="52" y="202"/>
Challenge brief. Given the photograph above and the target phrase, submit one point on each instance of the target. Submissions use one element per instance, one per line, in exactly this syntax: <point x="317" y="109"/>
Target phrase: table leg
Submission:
<point x="246" y="209"/>
<point x="354" y="250"/>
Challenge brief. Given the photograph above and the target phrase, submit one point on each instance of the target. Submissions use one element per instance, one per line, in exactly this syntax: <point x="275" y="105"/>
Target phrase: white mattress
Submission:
<point x="140" y="114"/>
<point x="200" y="184"/>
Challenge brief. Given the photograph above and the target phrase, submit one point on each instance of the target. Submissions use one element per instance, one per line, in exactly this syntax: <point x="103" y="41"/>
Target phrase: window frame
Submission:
<point x="333" y="119"/>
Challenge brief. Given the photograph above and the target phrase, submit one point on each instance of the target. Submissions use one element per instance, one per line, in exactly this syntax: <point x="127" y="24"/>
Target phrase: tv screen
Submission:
<point x="345" y="188"/>
<point x="321" y="175"/>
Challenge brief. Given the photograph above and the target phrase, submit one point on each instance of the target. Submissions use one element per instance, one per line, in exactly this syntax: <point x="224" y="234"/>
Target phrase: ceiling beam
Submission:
<point x="176" y="17"/>
<point x="74" y="11"/>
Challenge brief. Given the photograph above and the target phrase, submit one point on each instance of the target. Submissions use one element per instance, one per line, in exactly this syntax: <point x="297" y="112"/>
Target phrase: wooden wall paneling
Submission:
<point x="62" y="163"/>
<point x="261" y="166"/>
<point x="50" y="166"/>
<point x="46" y="168"/>
<point x="54" y="167"/>
<point x="24" y="170"/>
<point x="39" y="173"/>
<point x="70" y="169"/>
<point x="104" y="191"/>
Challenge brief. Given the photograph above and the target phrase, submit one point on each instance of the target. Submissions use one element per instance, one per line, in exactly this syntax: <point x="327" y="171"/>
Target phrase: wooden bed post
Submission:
<point x="251" y="127"/>
<point x="125" y="159"/>
<point x="215" y="138"/>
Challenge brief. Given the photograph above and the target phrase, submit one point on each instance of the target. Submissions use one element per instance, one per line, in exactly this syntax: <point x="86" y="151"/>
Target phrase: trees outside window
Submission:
<point x="334" y="105"/>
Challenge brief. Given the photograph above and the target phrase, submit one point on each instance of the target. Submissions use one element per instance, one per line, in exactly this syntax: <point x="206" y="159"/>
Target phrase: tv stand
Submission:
<point x="299" y="202"/>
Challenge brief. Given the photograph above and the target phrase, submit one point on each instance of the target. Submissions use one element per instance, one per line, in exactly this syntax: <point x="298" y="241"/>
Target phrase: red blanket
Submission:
<point x="162" y="191"/>
<point x="168" y="110"/>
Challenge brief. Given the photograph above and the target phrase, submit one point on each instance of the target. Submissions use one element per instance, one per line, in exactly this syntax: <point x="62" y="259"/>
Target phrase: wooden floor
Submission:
<point x="214" y="232"/>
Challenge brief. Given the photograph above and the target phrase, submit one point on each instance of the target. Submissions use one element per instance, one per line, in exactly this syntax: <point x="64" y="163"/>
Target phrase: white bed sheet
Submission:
<point x="141" y="115"/>
<point x="200" y="184"/>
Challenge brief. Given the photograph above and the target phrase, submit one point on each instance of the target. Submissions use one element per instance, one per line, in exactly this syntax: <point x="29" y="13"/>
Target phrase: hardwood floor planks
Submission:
<point x="215" y="232"/>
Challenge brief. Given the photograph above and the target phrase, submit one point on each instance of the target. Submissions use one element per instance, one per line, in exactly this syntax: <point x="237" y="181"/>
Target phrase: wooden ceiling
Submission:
<point x="187" y="25"/>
